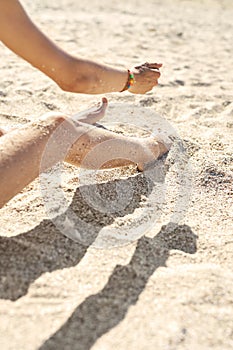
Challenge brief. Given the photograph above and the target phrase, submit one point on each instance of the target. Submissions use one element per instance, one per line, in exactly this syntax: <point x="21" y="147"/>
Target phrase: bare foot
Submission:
<point x="157" y="146"/>
<point x="94" y="114"/>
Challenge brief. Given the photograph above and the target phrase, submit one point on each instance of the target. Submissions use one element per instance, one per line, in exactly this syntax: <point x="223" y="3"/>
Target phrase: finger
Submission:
<point x="96" y="115"/>
<point x="149" y="65"/>
<point x="153" y="65"/>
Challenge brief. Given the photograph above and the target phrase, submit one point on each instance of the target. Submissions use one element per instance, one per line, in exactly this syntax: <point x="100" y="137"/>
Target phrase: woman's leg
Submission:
<point x="29" y="150"/>
<point x="20" y="156"/>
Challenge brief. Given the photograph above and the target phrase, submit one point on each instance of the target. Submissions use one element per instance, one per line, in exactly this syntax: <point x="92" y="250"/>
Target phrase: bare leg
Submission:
<point x="90" y="116"/>
<point x="117" y="149"/>
<point x="27" y="151"/>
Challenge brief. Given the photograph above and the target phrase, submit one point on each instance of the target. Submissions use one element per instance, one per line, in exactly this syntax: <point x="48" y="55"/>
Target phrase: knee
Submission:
<point x="65" y="123"/>
<point x="54" y="117"/>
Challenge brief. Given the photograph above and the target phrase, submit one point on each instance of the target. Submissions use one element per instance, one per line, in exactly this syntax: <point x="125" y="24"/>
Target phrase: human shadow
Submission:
<point x="27" y="256"/>
<point x="100" y="312"/>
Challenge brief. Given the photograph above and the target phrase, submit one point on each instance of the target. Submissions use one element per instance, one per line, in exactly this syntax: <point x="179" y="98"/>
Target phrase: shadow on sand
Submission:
<point x="27" y="256"/>
<point x="101" y="312"/>
<point x="44" y="249"/>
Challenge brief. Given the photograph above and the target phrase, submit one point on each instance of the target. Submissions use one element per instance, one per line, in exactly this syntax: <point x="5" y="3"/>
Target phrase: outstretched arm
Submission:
<point x="73" y="74"/>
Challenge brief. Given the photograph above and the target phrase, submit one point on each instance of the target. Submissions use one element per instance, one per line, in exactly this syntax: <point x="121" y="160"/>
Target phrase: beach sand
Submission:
<point x="173" y="288"/>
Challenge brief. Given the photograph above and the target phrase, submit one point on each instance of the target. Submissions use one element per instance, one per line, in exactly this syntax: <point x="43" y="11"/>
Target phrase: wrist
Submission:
<point x="130" y="81"/>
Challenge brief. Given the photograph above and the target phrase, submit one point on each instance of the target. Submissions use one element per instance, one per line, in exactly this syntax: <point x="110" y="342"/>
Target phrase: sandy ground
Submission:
<point x="171" y="289"/>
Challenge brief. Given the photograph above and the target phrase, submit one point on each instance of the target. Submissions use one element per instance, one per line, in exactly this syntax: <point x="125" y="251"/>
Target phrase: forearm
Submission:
<point x="94" y="78"/>
<point x="21" y="35"/>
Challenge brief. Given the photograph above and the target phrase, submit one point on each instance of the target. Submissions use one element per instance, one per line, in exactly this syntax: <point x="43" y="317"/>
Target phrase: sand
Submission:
<point x="172" y="288"/>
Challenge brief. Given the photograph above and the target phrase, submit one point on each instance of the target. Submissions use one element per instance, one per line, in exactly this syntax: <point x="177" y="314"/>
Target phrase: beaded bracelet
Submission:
<point x="130" y="81"/>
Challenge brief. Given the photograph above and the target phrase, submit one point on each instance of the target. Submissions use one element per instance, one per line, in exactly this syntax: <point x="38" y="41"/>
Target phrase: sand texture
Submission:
<point x="172" y="289"/>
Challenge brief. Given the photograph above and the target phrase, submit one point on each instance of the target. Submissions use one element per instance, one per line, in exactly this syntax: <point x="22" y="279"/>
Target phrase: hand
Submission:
<point x="146" y="77"/>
